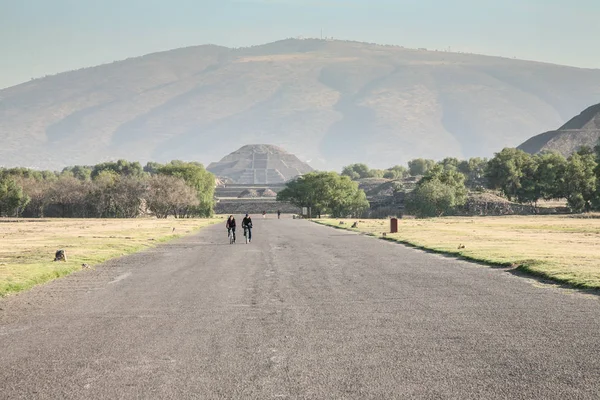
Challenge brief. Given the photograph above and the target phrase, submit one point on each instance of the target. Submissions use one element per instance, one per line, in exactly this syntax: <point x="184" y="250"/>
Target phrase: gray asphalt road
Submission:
<point x="304" y="312"/>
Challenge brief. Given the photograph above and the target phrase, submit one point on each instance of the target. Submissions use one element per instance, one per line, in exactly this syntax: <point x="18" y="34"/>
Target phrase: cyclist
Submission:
<point x="231" y="226"/>
<point x="247" y="225"/>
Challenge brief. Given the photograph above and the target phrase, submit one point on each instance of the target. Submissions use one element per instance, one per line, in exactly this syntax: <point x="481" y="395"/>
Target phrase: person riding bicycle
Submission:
<point x="247" y="225"/>
<point x="230" y="225"/>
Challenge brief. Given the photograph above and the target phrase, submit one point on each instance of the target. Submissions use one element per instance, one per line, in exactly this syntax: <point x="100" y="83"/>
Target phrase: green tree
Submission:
<point x="101" y="196"/>
<point x="396" y="172"/>
<point x="12" y="198"/>
<point x="325" y="192"/>
<point x="431" y="199"/>
<point x="506" y="171"/>
<point x="37" y="191"/>
<point x="474" y="171"/>
<point x="376" y="173"/>
<point x="356" y="171"/>
<point x="420" y="166"/>
<point x="152" y="167"/>
<point x="120" y="167"/>
<point x="580" y="181"/>
<point x="550" y="175"/>
<point x="202" y="181"/>
<point x="529" y="188"/>
<point x="81" y="172"/>
<point x="450" y="163"/>
<point x="450" y="177"/>
<point x="596" y="198"/>
<point x="20" y="172"/>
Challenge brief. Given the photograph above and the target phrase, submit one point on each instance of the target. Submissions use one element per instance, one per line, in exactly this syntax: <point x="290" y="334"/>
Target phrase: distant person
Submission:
<point x="230" y="225"/>
<point x="264" y="214"/>
<point x="278" y="214"/>
<point x="247" y="225"/>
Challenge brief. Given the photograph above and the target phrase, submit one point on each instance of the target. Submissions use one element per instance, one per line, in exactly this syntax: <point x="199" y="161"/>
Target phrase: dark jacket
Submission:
<point x="247" y="221"/>
<point x="230" y="223"/>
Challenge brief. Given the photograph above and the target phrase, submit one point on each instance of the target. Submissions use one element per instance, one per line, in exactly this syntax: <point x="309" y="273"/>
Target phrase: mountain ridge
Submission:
<point x="581" y="130"/>
<point x="214" y="45"/>
<point x="332" y="102"/>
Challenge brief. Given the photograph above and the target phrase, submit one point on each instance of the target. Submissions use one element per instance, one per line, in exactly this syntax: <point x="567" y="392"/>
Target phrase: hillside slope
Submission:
<point x="582" y="130"/>
<point x="329" y="102"/>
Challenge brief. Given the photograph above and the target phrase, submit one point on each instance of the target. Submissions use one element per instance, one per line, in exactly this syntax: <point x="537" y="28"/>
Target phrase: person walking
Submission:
<point x="278" y="214"/>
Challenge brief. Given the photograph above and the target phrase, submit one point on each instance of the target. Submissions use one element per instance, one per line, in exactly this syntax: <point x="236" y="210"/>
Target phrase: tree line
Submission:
<point x="120" y="189"/>
<point x="325" y="193"/>
<point x="519" y="176"/>
<point x="442" y="187"/>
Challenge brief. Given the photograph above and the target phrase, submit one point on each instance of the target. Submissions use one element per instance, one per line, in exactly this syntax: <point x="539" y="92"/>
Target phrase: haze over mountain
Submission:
<point x="328" y="102"/>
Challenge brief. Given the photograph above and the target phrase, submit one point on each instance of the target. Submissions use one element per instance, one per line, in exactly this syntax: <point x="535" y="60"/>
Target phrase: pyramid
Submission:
<point x="258" y="164"/>
<point x="582" y="130"/>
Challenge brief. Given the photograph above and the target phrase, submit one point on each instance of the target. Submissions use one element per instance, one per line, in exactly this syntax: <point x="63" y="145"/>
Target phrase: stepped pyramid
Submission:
<point x="583" y="130"/>
<point x="259" y="164"/>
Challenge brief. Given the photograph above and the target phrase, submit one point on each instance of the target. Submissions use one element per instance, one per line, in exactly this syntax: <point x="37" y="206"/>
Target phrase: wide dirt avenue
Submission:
<point x="303" y="312"/>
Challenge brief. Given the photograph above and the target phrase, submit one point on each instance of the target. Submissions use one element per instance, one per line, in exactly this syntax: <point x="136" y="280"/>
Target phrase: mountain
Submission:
<point x="329" y="102"/>
<point x="259" y="164"/>
<point x="583" y="130"/>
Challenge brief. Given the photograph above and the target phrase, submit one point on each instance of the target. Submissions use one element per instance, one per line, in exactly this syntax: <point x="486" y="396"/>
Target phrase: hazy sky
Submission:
<point x="39" y="37"/>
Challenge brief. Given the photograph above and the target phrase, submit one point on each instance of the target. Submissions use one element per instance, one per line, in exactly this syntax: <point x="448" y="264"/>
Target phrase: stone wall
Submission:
<point x="254" y="207"/>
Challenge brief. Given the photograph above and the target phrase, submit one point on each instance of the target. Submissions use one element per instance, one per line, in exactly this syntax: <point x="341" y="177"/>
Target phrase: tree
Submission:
<point x="580" y="181"/>
<point x="152" y="167"/>
<point x="450" y="177"/>
<point x="12" y="198"/>
<point x="431" y="199"/>
<point x="376" y="173"/>
<point x="170" y="195"/>
<point x="550" y="175"/>
<point x="128" y="196"/>
<point x="121" y="167"/>
<point x="396" y="172"/>
<point x="324" y="192"/>
<point x="529" y="188"/>
<point x="81" y="172"/>
<point x="195" y="176"/>
<point x="37" y="191"/>
<point x="439" y="192"/>
<point x="69" y="194"/>
<point x="450" y="163"/>
<point x="356" y="171"/>
<point x="474" y="171"/>
<point x="420" y="166"/>
<point x="506" y="171"/>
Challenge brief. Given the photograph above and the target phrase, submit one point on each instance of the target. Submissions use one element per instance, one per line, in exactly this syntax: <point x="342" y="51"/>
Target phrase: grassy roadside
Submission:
<point x="27" y="246"/>
<point x="563" y="249"/>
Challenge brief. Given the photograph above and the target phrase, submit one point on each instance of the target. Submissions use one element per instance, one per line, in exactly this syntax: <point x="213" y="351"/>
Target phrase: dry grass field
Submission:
<point x="565" y="249"/>
<point x="27" y="247"/>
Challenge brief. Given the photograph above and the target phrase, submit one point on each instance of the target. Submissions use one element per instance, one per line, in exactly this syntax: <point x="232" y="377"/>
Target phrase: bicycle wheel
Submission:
<point x="246" y="235"/>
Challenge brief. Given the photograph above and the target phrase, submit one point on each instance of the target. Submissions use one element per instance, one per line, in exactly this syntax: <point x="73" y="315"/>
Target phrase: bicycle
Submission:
<point x="231" y="236"/>
<point x="247" y="234"/>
